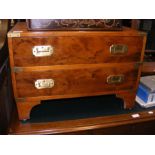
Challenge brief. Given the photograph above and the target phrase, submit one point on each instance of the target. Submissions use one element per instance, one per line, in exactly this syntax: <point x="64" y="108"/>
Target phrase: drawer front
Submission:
<point x="76" y="80"/>
<point x="75" y="50"/>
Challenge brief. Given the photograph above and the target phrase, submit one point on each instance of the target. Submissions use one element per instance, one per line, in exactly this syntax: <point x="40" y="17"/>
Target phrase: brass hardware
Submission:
<point x="17" y="69"/>
<point x="142" y="33"/>
<point x="20" y="99"/>
<point x="14" y="34"/>
<point x="115" y="79"/>
<point x="44" y="83"/>
<point x="42" y="51"/>
<point x="138" y="64"/>
<point x="118" y="49"/>
<point x="12" y="22"/>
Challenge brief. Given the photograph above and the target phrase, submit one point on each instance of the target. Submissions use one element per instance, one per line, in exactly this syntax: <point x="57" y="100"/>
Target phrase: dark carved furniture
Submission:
<point x="74" y="24"/>
<point x="6" y="97"/>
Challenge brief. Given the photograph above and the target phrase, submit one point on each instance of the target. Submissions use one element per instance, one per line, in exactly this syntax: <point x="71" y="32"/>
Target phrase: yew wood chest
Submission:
<point x="66" y="64"/>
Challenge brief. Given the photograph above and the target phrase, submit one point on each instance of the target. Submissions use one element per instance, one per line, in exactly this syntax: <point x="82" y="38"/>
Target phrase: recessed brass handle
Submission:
<point x="115" y="79"/>
<point x="118" y="49"/>
<point x="42" y="51"/>
<point x="44" y="83"/>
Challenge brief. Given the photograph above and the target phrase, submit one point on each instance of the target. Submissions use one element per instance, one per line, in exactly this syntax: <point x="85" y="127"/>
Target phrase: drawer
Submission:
<point x="77" y="80"/>
<point x="76" y="50"/>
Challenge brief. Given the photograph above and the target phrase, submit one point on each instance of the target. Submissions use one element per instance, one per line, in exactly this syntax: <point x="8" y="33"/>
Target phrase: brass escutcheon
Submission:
<point x="42" y="51"/>
<point x="118" y="49"/>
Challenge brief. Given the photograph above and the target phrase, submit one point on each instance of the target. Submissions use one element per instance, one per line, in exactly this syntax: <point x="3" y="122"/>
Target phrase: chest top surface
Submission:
<point x="20" y="30"/>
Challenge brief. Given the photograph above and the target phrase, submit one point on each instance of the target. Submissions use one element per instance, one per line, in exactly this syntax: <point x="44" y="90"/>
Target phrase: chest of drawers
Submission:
<point x="66" y="64"/>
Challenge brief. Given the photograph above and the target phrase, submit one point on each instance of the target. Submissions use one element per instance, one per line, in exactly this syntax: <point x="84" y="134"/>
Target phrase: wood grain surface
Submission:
<point x="79" y="80"/>
<point x="76" y="50"/>
<point x="116" y="124"/>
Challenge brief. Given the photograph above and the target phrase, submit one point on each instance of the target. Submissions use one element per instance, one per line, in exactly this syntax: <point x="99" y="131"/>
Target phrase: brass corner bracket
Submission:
<point x="17" y="69"/>
<point x="138" y="64"/>
<point x="14" y="34"/>
<point x="20" y="99"/>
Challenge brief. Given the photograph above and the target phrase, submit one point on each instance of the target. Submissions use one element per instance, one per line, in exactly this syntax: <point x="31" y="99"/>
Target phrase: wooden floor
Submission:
<point x="116" y="124"/>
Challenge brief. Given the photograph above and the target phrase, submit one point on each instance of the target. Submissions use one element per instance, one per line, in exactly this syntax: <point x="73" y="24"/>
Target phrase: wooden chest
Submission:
<point x="66" y="64"/>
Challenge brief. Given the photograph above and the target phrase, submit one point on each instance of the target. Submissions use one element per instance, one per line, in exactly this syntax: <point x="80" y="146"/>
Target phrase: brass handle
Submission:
<point x="44" y="83"/>
<point x="42" y="51"/>
<point x="115" y="79"/>
<point x="118" y="49"/>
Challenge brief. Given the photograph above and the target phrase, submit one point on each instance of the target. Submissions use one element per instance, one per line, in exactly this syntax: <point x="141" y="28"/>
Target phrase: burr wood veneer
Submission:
<point x="65" y="64"/>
